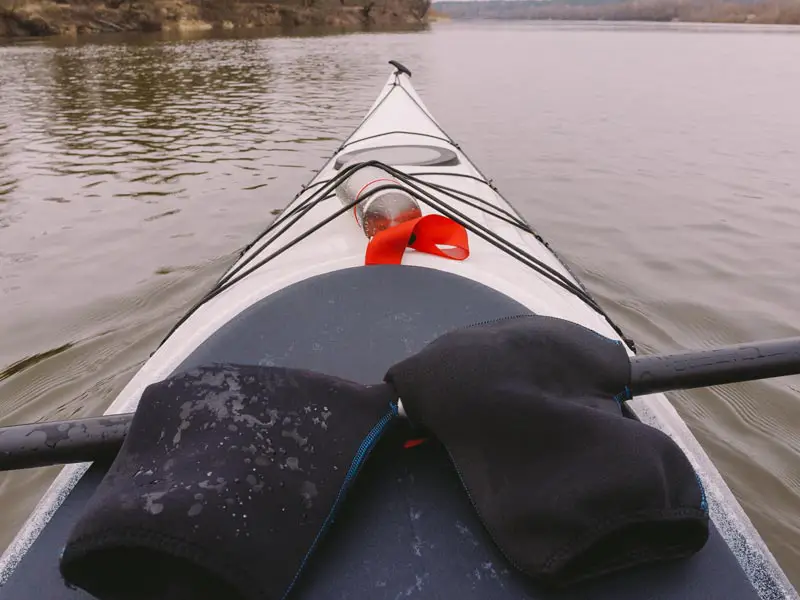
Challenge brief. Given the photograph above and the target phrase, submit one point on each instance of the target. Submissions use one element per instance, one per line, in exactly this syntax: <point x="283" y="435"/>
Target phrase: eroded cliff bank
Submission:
<point x="78" y="17"/>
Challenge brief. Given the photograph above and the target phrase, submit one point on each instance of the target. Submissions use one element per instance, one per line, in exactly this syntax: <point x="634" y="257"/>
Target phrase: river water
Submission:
<point x="662" y="162"/>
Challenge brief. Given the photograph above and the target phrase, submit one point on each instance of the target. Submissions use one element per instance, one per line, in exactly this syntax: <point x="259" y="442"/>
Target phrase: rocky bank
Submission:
<point x="78" y="17"/>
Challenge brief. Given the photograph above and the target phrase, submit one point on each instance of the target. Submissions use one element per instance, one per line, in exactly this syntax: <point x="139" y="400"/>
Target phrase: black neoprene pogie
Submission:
<point x="530" y="411"/>
<point x="224" y="482"/>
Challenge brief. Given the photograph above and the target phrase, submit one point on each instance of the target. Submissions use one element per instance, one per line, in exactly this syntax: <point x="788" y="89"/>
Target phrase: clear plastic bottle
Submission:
<point x="382" y="209"/>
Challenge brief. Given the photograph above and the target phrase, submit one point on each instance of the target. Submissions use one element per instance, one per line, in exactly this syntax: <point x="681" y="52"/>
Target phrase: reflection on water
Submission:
<point x="150" y="118"/>
<point x="7" y="181"/>
<point x="660" y="161"/>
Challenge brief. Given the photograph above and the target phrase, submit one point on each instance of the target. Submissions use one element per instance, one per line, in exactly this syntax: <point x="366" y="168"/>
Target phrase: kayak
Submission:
<point x="313" y="291"/>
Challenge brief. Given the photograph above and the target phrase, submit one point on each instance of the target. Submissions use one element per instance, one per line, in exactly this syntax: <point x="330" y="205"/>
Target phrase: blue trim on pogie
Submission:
<point x="358" y="461"/>
<point x="624" y="395"/>
<point x="703" y="500"/>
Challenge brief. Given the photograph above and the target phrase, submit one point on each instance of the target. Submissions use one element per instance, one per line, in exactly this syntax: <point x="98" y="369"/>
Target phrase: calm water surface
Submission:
<point x="663" y="162"/>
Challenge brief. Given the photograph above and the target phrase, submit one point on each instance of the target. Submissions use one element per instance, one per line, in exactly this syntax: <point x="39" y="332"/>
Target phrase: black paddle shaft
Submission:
<point x="62" y="442"/>
<point x="85" y="440"/>
<point x="703" y="368"/>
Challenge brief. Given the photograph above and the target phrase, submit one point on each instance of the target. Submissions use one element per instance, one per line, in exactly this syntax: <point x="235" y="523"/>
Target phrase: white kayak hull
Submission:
<point x="399" y="118"/>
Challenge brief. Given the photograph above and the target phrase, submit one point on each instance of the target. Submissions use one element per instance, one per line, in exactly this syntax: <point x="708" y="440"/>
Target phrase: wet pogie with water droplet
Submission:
<point x="251" y="463"/>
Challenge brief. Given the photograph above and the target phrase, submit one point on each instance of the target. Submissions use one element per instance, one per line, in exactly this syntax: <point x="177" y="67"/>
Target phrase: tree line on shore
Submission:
<point x="718" y="11"/>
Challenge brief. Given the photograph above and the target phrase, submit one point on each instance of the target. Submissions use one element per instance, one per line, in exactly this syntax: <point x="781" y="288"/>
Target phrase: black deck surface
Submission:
<point x="407" y="529"/>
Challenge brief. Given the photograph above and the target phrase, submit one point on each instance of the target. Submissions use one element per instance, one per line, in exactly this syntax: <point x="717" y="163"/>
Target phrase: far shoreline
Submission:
<point x="766" y="12"/>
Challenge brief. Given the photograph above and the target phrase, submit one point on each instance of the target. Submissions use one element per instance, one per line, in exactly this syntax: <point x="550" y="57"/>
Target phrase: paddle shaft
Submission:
<point x="85" y="440"/>
<point x="62" y="442"/>
<point x="703" y="368"/>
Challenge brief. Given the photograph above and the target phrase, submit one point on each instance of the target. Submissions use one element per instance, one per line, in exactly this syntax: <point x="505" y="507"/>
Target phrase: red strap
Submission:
<point x="424" y="234"/>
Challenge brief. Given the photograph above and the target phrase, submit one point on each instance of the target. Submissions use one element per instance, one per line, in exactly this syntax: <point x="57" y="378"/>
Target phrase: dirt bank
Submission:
<point x="76" y="17"/>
